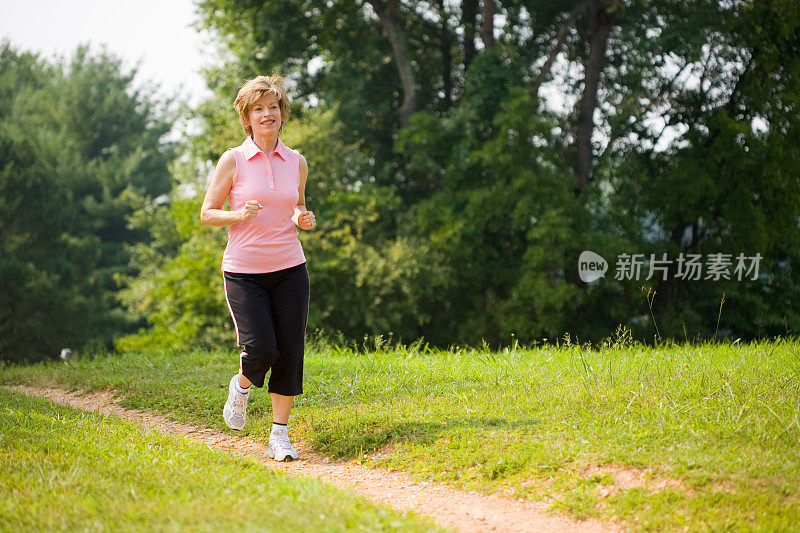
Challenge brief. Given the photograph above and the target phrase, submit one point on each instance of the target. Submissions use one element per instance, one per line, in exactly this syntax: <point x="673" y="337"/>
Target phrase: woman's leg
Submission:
<point x="249" y="304"/>
<point x="251" y="309"/>
<point x="289" y="299"/>
<point x="281" y="406"/>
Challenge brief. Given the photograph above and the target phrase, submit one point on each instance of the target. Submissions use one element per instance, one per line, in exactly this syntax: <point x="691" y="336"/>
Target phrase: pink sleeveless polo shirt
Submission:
<point x="268" y="242"/>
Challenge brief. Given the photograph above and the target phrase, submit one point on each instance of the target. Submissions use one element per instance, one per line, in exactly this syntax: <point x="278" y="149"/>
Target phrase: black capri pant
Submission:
<point x="270" y="313"/>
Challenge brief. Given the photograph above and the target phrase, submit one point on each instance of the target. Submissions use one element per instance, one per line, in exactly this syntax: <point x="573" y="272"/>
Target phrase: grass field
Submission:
<point x="710" y="431"/>
<point x="64" y="469"/>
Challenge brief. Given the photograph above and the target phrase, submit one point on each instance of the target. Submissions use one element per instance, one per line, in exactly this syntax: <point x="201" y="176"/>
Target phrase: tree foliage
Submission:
<point x="78" y="143"/>
<point x="463" y="155"/>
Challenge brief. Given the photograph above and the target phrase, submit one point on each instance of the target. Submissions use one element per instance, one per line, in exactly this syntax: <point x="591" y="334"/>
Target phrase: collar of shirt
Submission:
<point x="251" y="149"/>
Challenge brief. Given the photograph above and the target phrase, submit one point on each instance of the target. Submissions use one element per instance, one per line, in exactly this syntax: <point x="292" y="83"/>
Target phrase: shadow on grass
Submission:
<point x="355" y="441"/>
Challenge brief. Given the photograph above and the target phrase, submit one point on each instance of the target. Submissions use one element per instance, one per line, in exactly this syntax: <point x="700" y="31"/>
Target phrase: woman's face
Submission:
<point x="265" y="115"/>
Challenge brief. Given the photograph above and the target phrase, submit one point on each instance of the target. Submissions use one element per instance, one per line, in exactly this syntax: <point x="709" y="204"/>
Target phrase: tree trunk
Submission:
<point x="597" y="33"/>
<point x="561" y="38"/>
<point x="487" y="27"/>
<point x="469" y="15"/>
<point x="389" y="14"/>
<point x="446" y="46"/>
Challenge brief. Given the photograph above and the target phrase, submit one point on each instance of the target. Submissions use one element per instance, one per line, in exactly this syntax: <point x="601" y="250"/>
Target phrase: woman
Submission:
<point x="264" y="268"/>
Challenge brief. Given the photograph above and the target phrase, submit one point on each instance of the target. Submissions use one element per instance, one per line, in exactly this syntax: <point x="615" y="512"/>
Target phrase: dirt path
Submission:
<point x="448" y="507"/>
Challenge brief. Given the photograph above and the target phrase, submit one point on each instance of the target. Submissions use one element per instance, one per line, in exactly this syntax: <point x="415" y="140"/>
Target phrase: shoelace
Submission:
<point x="283" y="442"/>
<point x="238" y="406"/>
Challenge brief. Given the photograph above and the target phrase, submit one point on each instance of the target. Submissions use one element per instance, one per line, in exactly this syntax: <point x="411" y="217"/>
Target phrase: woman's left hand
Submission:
<point x="306" y="220"/>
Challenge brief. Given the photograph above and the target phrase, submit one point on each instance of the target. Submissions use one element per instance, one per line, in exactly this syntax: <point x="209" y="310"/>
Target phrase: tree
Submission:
<point x="389" y="13"/>
<point x="669" y="111"/>
<point x="732" y="187"/>
<point x="77" y="144"/>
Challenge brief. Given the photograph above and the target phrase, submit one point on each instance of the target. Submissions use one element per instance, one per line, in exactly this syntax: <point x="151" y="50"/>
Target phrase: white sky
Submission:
<point x="156" y="34"/>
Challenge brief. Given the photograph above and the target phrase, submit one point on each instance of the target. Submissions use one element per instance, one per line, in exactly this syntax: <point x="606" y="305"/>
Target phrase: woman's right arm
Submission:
<point x="212" y="213"/>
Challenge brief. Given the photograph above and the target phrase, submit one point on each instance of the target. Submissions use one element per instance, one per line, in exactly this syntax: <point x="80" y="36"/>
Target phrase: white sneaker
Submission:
<point x="235" y="411"/>
<point x="280" y="448"/>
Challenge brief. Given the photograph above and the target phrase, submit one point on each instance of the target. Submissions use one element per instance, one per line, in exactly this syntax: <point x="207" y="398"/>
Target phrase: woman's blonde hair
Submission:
<point x="253" y="90"/>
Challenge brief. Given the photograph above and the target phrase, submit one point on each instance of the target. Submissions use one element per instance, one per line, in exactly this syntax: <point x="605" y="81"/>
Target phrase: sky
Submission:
<point x="156" y="35"/>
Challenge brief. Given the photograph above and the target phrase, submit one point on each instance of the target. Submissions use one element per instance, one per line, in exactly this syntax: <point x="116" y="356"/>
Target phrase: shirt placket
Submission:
<point x="270" y="177"/>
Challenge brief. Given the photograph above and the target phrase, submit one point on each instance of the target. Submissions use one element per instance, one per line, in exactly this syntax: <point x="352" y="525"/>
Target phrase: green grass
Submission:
<point x="63" y="469"/>
<point x="721" y="420"/>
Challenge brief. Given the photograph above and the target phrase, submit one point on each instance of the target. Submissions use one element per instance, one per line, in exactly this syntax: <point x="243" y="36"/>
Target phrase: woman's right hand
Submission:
<point x="250" y="210"/>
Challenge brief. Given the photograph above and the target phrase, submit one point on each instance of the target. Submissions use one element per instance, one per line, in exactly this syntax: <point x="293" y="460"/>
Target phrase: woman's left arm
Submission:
<point x="303" y="218"/>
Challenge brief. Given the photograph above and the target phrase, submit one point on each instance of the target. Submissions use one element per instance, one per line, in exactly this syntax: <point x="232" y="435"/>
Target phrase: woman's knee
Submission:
<point x="266" y="353"/>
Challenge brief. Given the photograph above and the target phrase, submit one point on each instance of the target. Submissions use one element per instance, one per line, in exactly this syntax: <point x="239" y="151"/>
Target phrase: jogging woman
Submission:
<point x="264" y="268"/>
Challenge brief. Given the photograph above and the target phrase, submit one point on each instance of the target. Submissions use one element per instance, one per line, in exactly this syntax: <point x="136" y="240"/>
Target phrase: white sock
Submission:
<point x="279" y="428"/>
